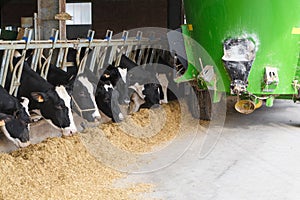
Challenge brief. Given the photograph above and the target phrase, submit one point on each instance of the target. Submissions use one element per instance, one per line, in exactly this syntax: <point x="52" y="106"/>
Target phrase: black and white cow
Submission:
<point x="118" y="78"/>
<point x="84" y="90"/>
<point x="91" y="94"/>
<point x="107" y="100"/>
<point x="127" y="78"/>
<point x="144" y="96"/>
<point x="15" y="118"/>
<point x="53" y="102"/>
<point x="82" y="87"/>
<point x="145" y="90"/>
<point x="57" y="77"/>
<point x="14" y="129"/>
<point x="12" y="106"/>
<point x="163" y="72"/>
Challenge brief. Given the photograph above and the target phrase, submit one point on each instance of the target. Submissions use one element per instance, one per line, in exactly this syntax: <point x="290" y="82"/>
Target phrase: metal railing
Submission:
<point x="98" y="53"/>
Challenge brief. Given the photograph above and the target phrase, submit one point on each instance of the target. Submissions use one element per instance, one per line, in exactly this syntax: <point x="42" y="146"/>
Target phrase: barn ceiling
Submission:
<point x="2" y="2"/>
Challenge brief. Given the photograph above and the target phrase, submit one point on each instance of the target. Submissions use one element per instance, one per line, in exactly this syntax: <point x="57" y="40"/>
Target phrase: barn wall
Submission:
<point x="76" y="31"/>
<point x="119" y="15"/>
<point x="116" y="15"/>
<point x="13" y="10"/>
<point x="175" y="15"/>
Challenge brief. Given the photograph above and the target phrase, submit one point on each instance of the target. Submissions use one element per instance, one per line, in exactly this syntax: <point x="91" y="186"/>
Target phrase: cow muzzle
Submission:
<point x="68" y="131"/>
<point x="16" y="141"/>
<point x="97" y="118"/>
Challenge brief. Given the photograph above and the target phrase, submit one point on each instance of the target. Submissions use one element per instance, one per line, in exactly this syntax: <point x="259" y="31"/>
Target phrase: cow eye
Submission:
<point x="16" y="113"/>
<point x="82" y="94"/>
<point x="59" y="107"/>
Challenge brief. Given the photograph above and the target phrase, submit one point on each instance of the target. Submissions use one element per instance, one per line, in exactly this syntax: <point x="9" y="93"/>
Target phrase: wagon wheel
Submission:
<point x="200" y="104"/>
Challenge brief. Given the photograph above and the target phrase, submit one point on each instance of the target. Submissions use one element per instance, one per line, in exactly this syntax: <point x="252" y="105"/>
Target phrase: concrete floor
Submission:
<point x="256" y="157"/>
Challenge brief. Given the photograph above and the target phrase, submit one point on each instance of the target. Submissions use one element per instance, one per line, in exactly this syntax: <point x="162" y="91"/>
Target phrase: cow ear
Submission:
<point x="106" y="75"/>
<point x="39" y="96"/>
<point x="69" y="87"/>
<point x="2" y="123"/>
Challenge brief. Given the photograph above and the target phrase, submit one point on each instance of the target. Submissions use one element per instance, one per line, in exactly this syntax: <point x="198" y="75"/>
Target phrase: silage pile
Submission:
<point x="60" y="168"/>
<point x="146" y="129"/>
<point x="76" y="167"/>
<point x="131" y="145"/>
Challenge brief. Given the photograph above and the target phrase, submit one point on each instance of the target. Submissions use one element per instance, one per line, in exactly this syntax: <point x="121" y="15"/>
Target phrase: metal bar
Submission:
<point x="35" y="58"/>
<point x="16" y="74"/>
<point x="17" y="71"/>
<point x="141" y="55"/>
<point x="36" y="27"/>
<point x="112" y="54"/>
<point x="64" y="59"/>
<point x="90" y="37"/>
<point x="128" y="50"/>
<point x="95" y="52"/>
<point x="132" y="54"/>
<point x="152" y="55"/>
<point x="101" y="59"/>
<point x="59" y="56"/>
<point x="40" y="59"/>
<point x="4" y="67"/>
<point x="46" y="65"/>
<point x="148" y="51"/>
<point x="48" y="44"/>
<point x="126" y="45"/>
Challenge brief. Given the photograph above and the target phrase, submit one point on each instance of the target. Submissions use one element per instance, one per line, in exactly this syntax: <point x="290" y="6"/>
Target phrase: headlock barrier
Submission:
<point x="53" y="51"/>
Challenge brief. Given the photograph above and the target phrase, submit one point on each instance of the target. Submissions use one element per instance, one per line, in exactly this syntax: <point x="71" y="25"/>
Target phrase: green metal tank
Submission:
<point x="254" y="44"/>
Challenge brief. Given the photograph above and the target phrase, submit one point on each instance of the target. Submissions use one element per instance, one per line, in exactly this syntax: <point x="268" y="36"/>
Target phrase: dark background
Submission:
<point x="116" y="15"/>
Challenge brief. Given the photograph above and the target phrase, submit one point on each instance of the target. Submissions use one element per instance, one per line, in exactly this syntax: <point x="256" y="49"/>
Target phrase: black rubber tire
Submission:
<point x="200" y="104"/>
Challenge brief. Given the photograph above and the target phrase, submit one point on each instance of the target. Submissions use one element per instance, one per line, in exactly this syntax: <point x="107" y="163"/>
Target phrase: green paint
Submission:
<point x="268" y="22"/>
<point x="270" y="101"/>
<point x="191" y="72"/>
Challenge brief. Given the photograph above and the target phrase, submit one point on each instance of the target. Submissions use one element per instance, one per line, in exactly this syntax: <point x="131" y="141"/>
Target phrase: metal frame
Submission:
<point x="105" y="51"/>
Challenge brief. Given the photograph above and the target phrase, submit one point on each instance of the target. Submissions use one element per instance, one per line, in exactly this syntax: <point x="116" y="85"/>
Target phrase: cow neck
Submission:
<point x="63" y="94"/>
<point x="123" y="73"/>
<point x="36" y="79"/>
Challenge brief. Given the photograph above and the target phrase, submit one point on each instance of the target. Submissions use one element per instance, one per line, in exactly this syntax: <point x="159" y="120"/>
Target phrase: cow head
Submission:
<point x="122" y="87"/>
<point x="107" y="101"/>
<point x="145" y="96"/>
<point x="138" y="75"/>
<point x="118" y="78"/>
<point x="55" y="106"/>
<point x="84" y="99"/>
<point x="12" y="106"/>
<point x="152" y="95"/>
<point x="15" y="130"/>
<point x="22" y="112"/>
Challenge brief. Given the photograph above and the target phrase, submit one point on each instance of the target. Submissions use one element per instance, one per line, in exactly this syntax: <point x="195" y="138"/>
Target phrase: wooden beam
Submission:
<point x="62" y="23"/>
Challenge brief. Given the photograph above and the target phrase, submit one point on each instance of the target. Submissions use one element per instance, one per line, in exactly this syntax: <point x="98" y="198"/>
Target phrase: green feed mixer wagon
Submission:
<point x="254" y="46"/>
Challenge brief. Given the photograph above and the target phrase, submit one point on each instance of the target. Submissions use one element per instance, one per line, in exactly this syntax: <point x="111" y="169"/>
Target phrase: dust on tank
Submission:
<point x="238" y="58"/>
